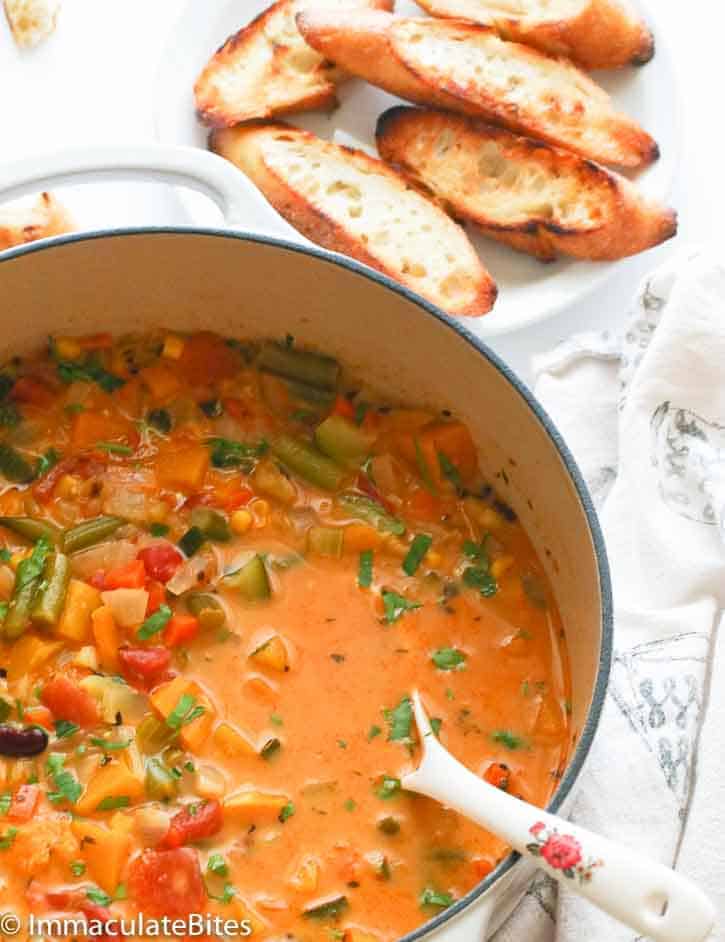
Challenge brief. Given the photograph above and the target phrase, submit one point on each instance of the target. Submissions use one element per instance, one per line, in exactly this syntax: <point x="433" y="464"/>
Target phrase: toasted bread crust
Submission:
<point x="567" y="206"/>
<point x="245" y="146"/>
<point x="21" y="224"/>
<point x="289" y="77"/>
<point x="603" y="34"/>
<point x="560" y="105"/>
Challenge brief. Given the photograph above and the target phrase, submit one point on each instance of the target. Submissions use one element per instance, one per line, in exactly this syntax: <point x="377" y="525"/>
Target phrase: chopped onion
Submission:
<point x="209" y="782"/>
<point x="186" y="577"/>
<point x="151" y="825"/>
<point x="128" y="605"/>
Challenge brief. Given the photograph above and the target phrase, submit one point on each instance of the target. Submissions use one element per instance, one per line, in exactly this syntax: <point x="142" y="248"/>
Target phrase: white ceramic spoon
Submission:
<point x="645" y="895"/>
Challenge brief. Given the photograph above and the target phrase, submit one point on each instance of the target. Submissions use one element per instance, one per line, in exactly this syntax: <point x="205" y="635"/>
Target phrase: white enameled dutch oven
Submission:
<point x="272" y="284"/>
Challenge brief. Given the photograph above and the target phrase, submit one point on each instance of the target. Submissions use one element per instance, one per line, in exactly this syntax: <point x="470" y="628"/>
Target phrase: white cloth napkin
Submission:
<point x="644" y="414"/>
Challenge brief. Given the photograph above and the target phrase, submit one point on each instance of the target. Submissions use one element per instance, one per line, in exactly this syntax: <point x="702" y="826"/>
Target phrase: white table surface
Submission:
<point x="92" y="83"/>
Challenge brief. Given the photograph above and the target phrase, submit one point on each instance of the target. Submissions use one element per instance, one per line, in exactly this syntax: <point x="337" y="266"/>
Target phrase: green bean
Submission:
<point x="27" y="582"/>
<point x="31" y="529"/>
<point x="89" y="533"/>
<point x="13" y="466"/>
<point x="50" y="598"/>
<point x="364" y="508"/>
<point x="160" y="784"/>
<point x="212" y="524"/>
<point x="251" y="580"/>
<point x="323" y="398"/>
<point x="343" y="441"/>
<point x="313" y="369"/>
<point x="207" y="609"/>
<point x="308" y="463"/>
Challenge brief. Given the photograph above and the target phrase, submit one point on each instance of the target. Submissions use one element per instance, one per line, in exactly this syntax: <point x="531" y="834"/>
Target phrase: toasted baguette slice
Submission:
<point x="349" y="202"/>
<point x="596" y="34"/>
<point x="537" y="198"/>
<point x="267" y="68"/>
<point x="31" y="21"/>
<point x="22" y="223"/>
<point x="468" y="68"/>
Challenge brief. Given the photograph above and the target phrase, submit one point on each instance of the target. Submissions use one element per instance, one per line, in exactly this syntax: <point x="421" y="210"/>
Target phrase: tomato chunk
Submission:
<point x="130" y="576"/>
<point x="161" y="560"/>
<point x="31" y="390"/>
<point x="167" y="882"/>
<point x="343" y="407"/>
<point x="193" y="823"/>
<point x="67" y="701"/>
<point x="144" y="664"/>
<point x="157" y="596"/>
<point x="75" y="901"/>
<point x="499" y="775"/>
<point x="180" y="629"/>
<point x="23" y="803"/>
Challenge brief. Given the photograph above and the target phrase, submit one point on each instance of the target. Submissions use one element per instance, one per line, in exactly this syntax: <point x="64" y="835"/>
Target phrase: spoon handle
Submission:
<point x="650" y="898"/>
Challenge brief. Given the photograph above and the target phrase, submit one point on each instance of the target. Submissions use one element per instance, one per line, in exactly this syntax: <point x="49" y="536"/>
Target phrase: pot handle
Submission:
<point x="241" y="203"/>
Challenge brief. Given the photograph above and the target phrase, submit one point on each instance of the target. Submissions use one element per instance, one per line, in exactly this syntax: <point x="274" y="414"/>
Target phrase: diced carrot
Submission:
<point x="207" y="355"/>
<point x="360" y="536"/>
<point x="238" y="497"/>
<point x="422" y="505"/>
<point x="166" y="697"/>
<point x="343" y="407"/>
<point x="33" y="391"/>
<point x="163" y="381"/>
<point x="105" y="850"/>
<point x="130" y="576"/>
<point x="180" y="629"/>
<point x="24" y="802"/>
<point x="481" y="867"/>
<point x="453" y="440"/>
<point x="114" y="780"/>
<point x="80" y="602"/>
<point x="182" y="468"/>
<point x="106" y="637"/>
<point x="38" y="716"/>
<point x="90" y="427"/>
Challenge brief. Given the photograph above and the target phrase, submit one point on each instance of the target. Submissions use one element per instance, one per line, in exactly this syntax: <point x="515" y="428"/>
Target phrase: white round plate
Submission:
<point x="529" y="291"/>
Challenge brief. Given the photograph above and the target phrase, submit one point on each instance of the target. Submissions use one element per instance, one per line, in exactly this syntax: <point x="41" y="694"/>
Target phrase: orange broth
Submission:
<point x="224" y="570"/>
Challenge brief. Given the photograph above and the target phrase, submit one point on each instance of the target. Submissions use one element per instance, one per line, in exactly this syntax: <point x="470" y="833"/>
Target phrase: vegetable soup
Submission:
<point x="224" y="568"/>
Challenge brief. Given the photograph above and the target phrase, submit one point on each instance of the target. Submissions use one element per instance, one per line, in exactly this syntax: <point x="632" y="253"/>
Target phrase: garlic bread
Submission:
<point x="266" y="68"/>
<point x="596" y="34"/>
<point x="468" y="68"/>
<point x="536" y="198"/>
<point x="349" y="202"/>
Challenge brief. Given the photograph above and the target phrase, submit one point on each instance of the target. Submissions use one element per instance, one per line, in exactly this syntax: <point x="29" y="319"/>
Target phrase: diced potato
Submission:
<point x="306" y="875"/>
<point x="127" y="605"/>
<point x="87" y="658"/>
<point x="272" y="654"/>
<point x="182" y="468"/>
<point x="209" y="782"/>
<point x="112" y="781"/>
<point x="173" y="347"/>
<point x="29" y="654"/>
<point x="232" y="742"/>
<point x="75" y="622"/>
<point x="250" y="806"/>
<point x="270" y="481"/>
<point x="105" y="850"/>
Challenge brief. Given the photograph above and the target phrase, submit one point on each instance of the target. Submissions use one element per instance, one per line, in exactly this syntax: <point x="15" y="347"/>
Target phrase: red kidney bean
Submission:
<point x="20" y="741"/>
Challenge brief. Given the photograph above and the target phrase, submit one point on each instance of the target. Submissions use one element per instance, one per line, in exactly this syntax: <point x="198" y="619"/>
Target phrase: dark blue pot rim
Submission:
<point x="605" y="657"/>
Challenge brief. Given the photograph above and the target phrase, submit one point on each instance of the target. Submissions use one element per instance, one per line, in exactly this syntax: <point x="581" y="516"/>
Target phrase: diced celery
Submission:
<point x="342" y="440"/>
<point x="325" y="541"/>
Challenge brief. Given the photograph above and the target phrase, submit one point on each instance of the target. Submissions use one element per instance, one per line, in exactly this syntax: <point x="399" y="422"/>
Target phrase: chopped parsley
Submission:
<point x="8" y="838"/>
<point x="47" y="460"/>
<point x="400" y="721"/>
<point x="31" y="568"/>
<point x="276" y="719"/>
<point x="449" y="659"/>
<point x="113" y="448"/>
<point x="158" y="529"/>
<point x="77" y="868"/>
<point x="286" y="812"/>
<point x="98" y="896"/>
<point x="5" y="802"/>
<point x="389" y="787"/>
<point x="508" y="739"/>
<point x="155" y="623"/>
<point x="87" y="371"/>
<point x="226" y="896"/>
<point x="396" y="606"/>
<point x="112" y="802"/>
<point x="431" y="897"/>
<point x="418" y="548"/>
<point x="67" y="786"/>
<point x="373" y="732"/>
<point x="185" y="711"/>
<point x="217" y="864"/>
<point x="365" y="569"/>
<point x="64" y="728"/>
<point x="350" y="805"/>
<point x="435" y="725"/>
<point x="479" y="576"/>
<point x="109" y="746"/>
<point x="450" y="471"/>
<point x="226" y="453"/>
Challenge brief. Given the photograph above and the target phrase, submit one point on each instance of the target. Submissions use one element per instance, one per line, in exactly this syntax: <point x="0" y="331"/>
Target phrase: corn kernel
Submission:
<point x="241" y="521"/>
<point x="173" y="347"/>
<point x="68" y="348"/>
<point x="489" y="519"/>
<point x="501" y="565"/>
<point x="433" y="559"/>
